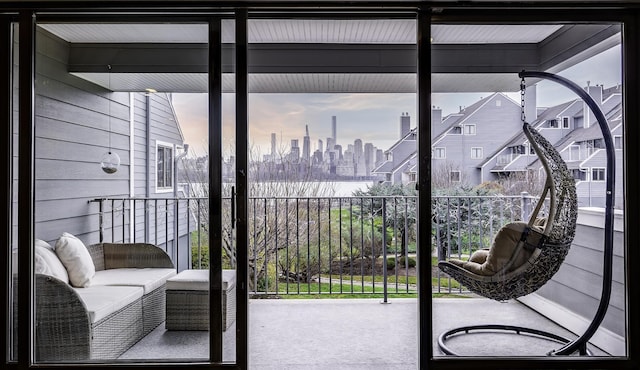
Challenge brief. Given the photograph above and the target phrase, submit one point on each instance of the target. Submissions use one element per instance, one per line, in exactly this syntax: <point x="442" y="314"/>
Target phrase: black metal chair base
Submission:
<point x="442" y="339"/>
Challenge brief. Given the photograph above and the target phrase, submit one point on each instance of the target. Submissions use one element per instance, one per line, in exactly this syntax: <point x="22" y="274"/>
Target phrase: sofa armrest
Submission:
<point x="63" y="327"/>
<point x="133" y="255"/>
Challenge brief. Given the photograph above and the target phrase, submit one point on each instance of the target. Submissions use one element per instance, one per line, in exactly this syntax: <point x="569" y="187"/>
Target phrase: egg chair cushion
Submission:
<point x="489" y="261"/>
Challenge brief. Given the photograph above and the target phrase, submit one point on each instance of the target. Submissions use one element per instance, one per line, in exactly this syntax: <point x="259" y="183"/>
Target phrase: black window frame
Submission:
<point x="491" y="12"/>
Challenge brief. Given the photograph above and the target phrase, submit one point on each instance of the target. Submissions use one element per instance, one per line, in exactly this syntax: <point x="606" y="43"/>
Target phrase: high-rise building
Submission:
<point x="357" y="150"/>
<point x="295" y="151"/>
<point x="334" y="130"/>
<point x="320" y="148"/>
<point x="306" y="145"/>
<point x="330" y="144"/>
<point x="273" y="146"/>
<point x="369" y="158"/>
<point x="338" y="150"/>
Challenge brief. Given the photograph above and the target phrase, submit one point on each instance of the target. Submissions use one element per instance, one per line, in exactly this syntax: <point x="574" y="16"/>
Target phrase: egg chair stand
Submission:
<point x="549" y="252"/>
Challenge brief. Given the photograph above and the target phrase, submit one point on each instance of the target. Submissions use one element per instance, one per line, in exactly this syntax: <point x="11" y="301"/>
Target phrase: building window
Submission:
<point x="565" y="122"/>
<point x="476" y="153"/>
<point x="455" y="176"/>
<point x="456" y="130"/>
<point x="617" y="142"/>
<point x="519" y="149"/>
<point x="574" y="153"/>
<point x="598" y="143"/>
<point x="164" y="166"/>
<point x="553" y="123"/>
<point x="597" y="174"/>
<point x="439" y="153"/>
<point x="498" y="103"/>
<point x="469" y="129"/>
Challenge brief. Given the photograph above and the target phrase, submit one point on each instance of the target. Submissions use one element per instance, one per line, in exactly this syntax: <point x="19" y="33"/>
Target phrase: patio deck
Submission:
<point x="357" y="333"/>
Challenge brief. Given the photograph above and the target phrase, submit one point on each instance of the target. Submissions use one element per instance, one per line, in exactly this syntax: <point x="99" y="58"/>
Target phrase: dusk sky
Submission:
<point x="373" y="118"/>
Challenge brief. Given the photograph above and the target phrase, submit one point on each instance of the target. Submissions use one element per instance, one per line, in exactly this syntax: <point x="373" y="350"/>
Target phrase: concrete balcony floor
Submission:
<point x="357" y="334"/>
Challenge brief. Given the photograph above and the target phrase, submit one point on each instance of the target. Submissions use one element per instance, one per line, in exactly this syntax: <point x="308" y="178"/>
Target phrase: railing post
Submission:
<point x="525" y="206"/>
<point x="100" y="219"/>
<point x="384" y="249"/>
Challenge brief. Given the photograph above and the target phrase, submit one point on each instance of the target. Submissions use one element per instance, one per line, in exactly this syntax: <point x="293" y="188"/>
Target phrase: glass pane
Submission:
<point x="13" y="192"/>
<point x="125" y="250"/>
<point x="330" y="216"/>
<point x="493" y="282"/>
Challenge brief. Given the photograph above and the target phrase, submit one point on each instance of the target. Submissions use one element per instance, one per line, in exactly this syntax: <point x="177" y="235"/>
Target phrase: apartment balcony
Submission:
<point x="336" y="248"/>
<point x="357" y="334"/>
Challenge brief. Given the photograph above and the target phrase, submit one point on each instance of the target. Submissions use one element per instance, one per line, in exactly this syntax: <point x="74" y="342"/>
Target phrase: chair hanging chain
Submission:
<point x="523" y="87"/>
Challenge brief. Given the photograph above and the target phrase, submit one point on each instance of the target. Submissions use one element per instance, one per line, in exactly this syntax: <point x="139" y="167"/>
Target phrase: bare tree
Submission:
<point x="281" y="194"/>
<point x="441" y="176"/>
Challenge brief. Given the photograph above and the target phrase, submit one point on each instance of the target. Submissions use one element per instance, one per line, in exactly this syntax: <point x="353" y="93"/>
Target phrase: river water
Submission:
<point x="306" y="189"/>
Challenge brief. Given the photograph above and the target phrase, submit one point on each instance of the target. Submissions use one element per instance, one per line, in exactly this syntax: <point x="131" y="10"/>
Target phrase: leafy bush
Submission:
<point x="391" y="262"/>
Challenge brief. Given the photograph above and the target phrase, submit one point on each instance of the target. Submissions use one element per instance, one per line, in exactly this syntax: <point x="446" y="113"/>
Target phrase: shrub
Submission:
<point x="391" y="262"/>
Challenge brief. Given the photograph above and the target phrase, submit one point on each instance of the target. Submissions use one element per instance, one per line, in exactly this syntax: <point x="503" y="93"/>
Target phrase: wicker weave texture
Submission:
<point x="137" y="255"/>
<point x="189" y="309"/>
<point x="64" y="332"/>
<point x="63" y="329"/>
<point x="117" y="332"/>
<point x="551" y="253"/>
<point x="153" y="309"/>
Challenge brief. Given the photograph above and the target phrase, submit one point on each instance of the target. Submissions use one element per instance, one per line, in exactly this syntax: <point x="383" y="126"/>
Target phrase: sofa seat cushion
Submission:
<point x="102" y="301"/>
<point x="147" y="278"/>
<point x="199" y="280"/>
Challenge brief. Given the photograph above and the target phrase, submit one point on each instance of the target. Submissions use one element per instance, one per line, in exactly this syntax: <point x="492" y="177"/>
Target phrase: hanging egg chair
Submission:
<point x="536" y="255"/>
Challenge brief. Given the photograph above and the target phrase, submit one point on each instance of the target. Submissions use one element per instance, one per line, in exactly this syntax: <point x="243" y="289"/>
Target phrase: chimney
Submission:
<point x="405" y="124"/>
<point x="596" y="94"/>
<point x="436" y="116"/>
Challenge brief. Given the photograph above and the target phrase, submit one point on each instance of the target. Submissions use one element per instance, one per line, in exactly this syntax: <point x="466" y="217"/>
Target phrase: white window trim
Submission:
<point x="572" y="148"/>
<point x="604" y="171"/>
<point x="480" y="150"/>
<point x="459" y="176"/>
<point x="568" y="122"/>
<point x="464" y="129"/>
<point x="173" y="173"/>
<point x="615" y="139"/>
<point x="444" y="150"/>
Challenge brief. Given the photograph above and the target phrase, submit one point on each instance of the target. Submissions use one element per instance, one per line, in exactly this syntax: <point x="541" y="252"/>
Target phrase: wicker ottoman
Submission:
<point x="188" y="300"/>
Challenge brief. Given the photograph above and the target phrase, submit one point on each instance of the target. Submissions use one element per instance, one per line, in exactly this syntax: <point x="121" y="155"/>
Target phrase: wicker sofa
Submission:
<point x="123" y="303"/>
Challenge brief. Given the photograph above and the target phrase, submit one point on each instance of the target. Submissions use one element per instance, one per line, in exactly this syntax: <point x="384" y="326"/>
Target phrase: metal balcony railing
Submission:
<point x="319" y="245"/>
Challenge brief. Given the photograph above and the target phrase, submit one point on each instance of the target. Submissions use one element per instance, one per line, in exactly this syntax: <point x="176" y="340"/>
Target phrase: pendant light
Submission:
<point x="110" y="160"/>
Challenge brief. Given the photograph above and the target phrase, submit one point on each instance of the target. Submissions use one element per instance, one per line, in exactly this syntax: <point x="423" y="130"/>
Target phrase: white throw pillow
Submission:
<point x="41" y="266"/>
<point x="49" y="257"/>
<point x="76" y="258"/>
<point x="42" y="243"/>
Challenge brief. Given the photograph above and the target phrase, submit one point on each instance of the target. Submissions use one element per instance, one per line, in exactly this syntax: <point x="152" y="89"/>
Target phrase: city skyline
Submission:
<point x="370" y="117"/>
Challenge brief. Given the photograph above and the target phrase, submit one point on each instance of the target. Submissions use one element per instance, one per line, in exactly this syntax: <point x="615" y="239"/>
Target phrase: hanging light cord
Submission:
<point x="109" y="105"/>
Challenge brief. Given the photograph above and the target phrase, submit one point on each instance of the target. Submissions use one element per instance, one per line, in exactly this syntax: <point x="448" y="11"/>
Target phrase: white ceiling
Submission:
<point x="386" y="31"/>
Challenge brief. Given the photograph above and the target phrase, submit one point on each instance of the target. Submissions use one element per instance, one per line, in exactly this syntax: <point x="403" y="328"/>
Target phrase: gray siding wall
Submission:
<point x="578" y="284"/>
<point x="71" y="135"/>
<point x="491" y="134"/>
<point x="403" y="151"/>
<point x="76" y="123"/>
